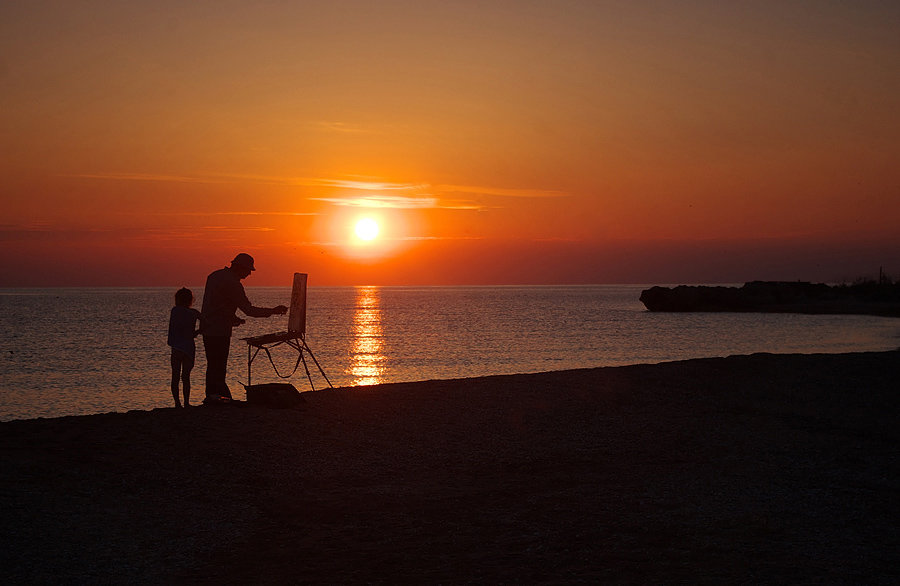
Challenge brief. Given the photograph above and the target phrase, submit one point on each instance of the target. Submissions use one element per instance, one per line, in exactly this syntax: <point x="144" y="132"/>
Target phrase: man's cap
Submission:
<point x="244" y="260"/>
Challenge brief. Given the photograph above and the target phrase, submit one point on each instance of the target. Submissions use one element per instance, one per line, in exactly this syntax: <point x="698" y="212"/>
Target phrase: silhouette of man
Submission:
<point x="224" y="294"/>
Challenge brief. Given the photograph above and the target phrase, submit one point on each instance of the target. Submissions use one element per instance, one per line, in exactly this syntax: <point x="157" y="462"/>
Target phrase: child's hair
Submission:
<point x="184" y="297"/>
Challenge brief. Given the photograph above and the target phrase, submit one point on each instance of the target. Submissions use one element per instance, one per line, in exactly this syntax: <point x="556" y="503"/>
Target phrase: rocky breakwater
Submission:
<point x="779" y="297"/>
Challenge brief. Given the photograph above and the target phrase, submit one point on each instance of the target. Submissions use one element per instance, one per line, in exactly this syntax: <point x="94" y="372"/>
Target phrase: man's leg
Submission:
<point x="216" y="348"/>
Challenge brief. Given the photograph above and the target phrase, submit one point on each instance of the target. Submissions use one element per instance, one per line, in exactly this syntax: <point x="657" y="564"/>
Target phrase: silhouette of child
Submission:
<point x="182" y="330"/>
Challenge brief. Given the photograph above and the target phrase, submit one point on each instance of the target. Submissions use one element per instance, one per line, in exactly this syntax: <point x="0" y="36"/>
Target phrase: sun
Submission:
<point x="366" y="229"/>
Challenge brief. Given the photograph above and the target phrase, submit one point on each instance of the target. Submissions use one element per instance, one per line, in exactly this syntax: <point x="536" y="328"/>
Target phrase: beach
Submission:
<point x="748" y="469"/>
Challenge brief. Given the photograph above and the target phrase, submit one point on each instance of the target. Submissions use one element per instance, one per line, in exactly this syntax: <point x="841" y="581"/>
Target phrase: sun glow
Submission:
<point x="366" y="229"/>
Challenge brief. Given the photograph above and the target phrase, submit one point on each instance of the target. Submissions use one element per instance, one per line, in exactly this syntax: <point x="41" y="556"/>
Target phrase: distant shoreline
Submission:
<point x="881" y="299"/>
<point x="780" y="467"/>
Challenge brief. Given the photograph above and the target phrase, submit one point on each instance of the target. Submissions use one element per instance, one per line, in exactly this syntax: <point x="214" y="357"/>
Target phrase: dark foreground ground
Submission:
<point x="755" y="469"/>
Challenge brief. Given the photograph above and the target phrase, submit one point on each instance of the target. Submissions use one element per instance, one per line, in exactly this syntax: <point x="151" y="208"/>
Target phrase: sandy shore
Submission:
<point x="763" y="468"/>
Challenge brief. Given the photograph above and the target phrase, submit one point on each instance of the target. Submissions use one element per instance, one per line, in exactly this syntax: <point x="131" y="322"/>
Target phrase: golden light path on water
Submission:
<point x="366" y="358"/>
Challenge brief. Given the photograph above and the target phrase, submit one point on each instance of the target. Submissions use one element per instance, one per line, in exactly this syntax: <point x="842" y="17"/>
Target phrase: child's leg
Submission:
<point x="186" y="366"/>
<point x="177" y="359"/>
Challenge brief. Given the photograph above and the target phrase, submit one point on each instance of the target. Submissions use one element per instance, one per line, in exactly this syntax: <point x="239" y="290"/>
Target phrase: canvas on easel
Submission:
<point x="295" y="336"/>
<point x="297" y="312"/>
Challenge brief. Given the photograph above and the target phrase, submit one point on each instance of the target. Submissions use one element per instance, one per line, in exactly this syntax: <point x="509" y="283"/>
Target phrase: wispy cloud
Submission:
<point x="29" y="227"/>
<point x="328" y="182"/>
<point x="463" y="205"/>
<point x="180" y="214"/>
<point x="150" y="177"/>
<point x="238" y="228"/>
<point x="400" y="202"/>
<point x="406" y="195"/>
<point x="382" y="201"/>
<point x="501" y="191"/>
<point x="341" y="127"/>
<point x="10" y="232"/>
<point x="243" y="213"/>
<point x="417" y="238"/>
<point x="360" y="185"/>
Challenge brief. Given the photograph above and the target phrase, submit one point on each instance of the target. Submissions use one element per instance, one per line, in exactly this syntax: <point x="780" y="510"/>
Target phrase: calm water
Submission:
<point x="80" y="351"/>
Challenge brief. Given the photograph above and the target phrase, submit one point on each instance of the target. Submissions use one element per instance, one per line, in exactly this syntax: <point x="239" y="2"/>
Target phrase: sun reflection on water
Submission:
<point x="366" y="351"/>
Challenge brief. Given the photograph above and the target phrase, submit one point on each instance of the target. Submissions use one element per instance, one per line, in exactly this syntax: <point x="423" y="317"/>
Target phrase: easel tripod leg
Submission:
<point x="313" y="356"/>
<point x="306" y="368"/>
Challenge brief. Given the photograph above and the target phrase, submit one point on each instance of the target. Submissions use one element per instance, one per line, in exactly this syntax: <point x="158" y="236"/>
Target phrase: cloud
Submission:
<point x="329" y="182"/>
<point x="500" y="191"/>
<point x="361" y="184"/>
<point x="238" y="228"/>
<point x="400" y="202"/>
<point x="418" y="238"/>
<point x="355" y="184"/>
<point x="244" y="213"/>
<point x="74" y="234"/>
<point x="425" y="196"/>
<point x="11" y="232"/>
<point x="208" y="214"/>
<point x="382" y="201"/>
<point x="150" y="177"/>
<point x="420" y="195"/>
<point x="341" y="127"/>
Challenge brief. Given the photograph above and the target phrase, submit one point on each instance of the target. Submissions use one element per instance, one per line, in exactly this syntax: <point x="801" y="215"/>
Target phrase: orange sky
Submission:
<point x="145" y="143"/>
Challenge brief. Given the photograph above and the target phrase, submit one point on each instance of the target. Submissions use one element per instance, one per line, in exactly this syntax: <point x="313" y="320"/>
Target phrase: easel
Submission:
<point x="295" y="337"/>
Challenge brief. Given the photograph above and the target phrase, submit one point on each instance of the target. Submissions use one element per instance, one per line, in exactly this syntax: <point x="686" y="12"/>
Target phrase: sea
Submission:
<point x="79" y="351"/>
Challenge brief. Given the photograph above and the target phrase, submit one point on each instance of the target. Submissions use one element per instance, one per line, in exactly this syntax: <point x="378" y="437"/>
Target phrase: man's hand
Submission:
<point x="280" y="310"/>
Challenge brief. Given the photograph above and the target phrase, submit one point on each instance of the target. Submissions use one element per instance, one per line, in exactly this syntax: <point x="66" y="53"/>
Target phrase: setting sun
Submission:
<point x="366" y="229"/>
